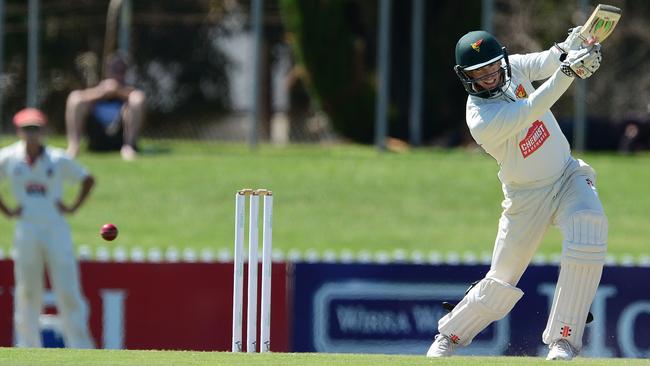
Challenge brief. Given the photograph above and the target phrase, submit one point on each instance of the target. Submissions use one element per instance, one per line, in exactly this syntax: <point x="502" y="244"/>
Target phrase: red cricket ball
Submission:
<point x="108" y="232"/>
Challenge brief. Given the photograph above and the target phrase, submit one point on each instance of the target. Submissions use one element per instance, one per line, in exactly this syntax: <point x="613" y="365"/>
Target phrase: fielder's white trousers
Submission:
<point x="37" y="246"/>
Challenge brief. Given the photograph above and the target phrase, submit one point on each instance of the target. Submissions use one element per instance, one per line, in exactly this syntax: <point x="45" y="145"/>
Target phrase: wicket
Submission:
<point x="238" y="274"/>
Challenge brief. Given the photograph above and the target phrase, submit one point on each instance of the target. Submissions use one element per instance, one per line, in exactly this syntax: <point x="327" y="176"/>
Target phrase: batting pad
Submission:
<point x="489" y="300"/>
<point x="585" y="249"/>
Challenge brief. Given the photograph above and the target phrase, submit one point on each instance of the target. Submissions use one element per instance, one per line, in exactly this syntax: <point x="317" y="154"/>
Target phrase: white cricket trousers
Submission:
<point x="530" y="211"/>
<point x="37" y="246"/>
<point x="570" y="202"/>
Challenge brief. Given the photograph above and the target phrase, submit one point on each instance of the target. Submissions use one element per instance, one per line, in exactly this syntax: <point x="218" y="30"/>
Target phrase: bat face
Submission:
<point x="601" y="23"/>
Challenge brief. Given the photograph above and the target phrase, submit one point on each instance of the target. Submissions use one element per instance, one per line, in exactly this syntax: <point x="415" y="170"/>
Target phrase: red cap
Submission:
<point x="30" y="117"/>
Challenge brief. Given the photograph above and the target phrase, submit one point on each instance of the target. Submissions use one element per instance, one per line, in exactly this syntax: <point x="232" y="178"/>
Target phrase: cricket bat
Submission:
<point x="600" y="24"/>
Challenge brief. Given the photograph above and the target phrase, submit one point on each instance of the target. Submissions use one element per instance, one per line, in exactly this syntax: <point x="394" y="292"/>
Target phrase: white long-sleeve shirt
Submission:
<point x="39" y="186"/>
<point x="517" y="128"/>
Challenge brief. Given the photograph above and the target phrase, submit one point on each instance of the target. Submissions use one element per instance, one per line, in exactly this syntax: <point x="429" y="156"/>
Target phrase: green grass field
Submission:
<point x="326" y="198"/>
<point x="63" y="357"/>
<point x="181" y="194"/>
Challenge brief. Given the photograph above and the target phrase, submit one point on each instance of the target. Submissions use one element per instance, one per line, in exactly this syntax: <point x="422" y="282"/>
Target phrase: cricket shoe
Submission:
<point x="442" y="346"/>
<point x="561" y="350"/>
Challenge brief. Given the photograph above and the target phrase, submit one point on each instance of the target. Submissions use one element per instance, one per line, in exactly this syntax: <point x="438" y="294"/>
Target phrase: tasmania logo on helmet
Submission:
<point x="476" y="46"/>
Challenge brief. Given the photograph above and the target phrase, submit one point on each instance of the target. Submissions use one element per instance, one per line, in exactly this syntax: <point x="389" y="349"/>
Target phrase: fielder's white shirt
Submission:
<point x="518" y="129"/>
<point x="38" y="187"/>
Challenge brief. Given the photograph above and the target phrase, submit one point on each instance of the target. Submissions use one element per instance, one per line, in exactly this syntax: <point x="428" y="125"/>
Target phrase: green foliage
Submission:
<point x="174" y="54"/>
<point x="186" y="53"/>
<point x="335" y="41"/>
<point x="445" y="97"/>
<point x="334" y="57"/>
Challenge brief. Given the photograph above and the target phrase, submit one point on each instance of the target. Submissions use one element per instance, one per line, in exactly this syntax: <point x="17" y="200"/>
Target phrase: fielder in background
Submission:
<point x="111" y="114"/>
<point x="542" y="183"/>
<point x="42" y="238"/>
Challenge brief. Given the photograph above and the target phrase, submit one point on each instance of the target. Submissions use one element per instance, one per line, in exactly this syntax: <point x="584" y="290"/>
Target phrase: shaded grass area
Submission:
<point x="181" y="194"/>
<point x="64" y="357"/>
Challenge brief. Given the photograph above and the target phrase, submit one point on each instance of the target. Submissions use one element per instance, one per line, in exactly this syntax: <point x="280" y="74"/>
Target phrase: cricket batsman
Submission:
<point x="42" y="238"/>
<point x="542" y="184"/>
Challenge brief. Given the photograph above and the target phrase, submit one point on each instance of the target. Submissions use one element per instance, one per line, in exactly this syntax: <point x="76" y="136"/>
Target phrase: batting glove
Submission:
<point x="582" y="63"/>
<point x="573" y="41"/>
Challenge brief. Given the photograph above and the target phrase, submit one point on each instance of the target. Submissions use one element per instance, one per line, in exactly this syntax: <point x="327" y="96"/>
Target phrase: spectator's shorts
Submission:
<point x="104" y="128"/>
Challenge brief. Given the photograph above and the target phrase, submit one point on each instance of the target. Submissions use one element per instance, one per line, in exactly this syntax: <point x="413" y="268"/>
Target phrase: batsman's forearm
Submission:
<point x="542" y="65"/>
<point x="500" y="125"/>
<point x="539" y="102"/>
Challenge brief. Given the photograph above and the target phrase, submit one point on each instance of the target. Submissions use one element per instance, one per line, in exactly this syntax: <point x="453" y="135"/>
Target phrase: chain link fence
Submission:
<point x="193" y="59"/>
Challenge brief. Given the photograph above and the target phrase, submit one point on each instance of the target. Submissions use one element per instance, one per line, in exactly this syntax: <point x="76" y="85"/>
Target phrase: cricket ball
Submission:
<point x="108" y="232"/>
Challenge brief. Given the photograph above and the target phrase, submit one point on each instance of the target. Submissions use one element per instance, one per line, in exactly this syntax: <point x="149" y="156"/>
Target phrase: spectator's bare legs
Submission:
<point x="133" y="120"/>
<point x="76" y="111"/>
<point x="80" y="103"/>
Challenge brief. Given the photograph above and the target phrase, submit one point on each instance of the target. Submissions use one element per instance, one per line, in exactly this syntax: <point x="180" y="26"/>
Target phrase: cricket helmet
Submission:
<point x="478" y="49"/>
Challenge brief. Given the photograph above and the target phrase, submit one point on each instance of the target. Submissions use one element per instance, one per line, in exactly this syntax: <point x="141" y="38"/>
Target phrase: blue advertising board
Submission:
<point x="394" y="308"/>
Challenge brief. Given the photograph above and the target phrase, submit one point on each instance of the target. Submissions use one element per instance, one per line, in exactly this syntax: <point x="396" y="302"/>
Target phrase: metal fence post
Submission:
<point x="383" y="62"/>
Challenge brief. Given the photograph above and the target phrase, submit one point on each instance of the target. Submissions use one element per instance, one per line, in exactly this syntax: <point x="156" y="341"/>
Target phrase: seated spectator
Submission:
<point x="111" y="113"/>
<point x="635" y="137"/>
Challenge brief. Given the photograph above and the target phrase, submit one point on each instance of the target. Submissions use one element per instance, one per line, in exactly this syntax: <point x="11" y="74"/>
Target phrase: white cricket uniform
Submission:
<point x="42" y="238"/>
<point x="543" y="185"/>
